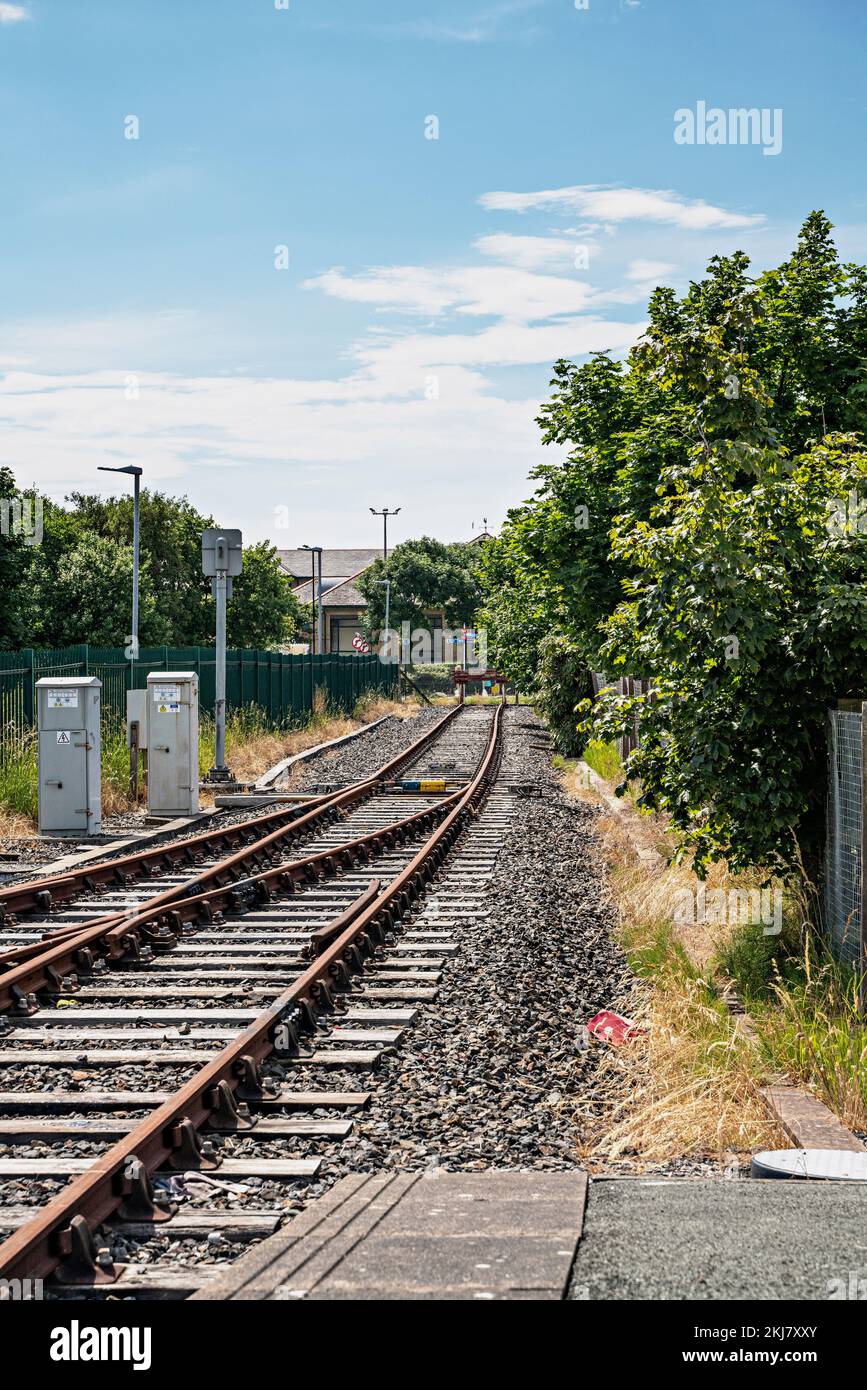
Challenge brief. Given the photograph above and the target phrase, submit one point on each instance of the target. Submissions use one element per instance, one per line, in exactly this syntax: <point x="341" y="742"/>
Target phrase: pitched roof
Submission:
<point x="341" y="595"/>
<point x="336" y="564"/>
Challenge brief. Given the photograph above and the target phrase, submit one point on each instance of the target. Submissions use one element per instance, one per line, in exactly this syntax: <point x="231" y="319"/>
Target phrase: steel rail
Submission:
<point x="65" y="1225"/>
<point x="39" y="894"/>
<point x="326" y="807"/>
<point x="120" y="937"/>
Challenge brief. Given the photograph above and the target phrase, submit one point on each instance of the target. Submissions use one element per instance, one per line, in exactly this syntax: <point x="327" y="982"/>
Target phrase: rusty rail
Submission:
<point x="63" y="1230"/>
<point x="38" y="895"/>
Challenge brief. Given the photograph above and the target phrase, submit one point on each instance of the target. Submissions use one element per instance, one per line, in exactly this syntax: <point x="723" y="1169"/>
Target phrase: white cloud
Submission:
<point x="531" y="252"/>
<point x="498" y="291"/>
<point x="616" y="205"/>
<point x="12" y="14"/>
<point x="649" y="270"/>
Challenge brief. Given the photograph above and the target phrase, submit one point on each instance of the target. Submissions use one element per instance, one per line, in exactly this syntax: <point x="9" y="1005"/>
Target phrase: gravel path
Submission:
<point x="492" y="1072"/>
<point x="349" y="762"/>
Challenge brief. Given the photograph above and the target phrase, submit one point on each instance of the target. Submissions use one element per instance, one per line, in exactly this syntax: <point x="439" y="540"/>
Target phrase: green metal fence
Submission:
<point x="281" y="686"/>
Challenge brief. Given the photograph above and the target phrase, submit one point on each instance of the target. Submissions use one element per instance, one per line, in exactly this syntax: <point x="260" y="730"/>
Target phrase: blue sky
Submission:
<point x="401" y="357"/>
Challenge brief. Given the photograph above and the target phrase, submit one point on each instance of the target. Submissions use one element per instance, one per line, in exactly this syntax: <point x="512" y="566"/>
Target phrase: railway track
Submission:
<point x="153" y="1018"/>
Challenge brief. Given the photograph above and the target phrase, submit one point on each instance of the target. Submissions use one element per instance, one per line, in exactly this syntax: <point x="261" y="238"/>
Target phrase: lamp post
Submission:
<point x="387" y="583"/>
<point x="316" y="593"/>
<point x="136" y="473"/>
<point x="385" y="514"/>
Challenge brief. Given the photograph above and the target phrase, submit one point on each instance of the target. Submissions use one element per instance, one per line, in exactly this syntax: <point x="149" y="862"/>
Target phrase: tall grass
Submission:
<point x="817" y="1032"/>
<point x="604" y="760"/>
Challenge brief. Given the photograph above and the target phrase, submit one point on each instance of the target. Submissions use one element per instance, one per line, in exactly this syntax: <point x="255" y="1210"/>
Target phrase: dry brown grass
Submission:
<point x="691" y="1086"/>
<point x="253" y="756"/>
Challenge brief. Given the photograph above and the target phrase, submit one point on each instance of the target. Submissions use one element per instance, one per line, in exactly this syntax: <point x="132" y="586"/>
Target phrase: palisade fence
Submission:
<point x="278" y="684"/>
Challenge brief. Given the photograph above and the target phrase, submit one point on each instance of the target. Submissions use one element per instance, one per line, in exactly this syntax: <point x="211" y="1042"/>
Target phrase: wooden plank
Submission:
<point x="136" y="1100"/>
<point x="236" y="1225"/>
<point x="23" y="1131"/>
<point x="63" y="1167"/>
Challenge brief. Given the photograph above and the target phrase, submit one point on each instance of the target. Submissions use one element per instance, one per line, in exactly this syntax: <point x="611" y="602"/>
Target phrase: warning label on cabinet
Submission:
<point x="167" y="697"/>
<point x="63" y="699"/>
<point x="64" y="737"/>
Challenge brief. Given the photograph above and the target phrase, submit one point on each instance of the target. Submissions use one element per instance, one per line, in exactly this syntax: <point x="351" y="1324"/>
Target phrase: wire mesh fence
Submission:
<point x="842" y="877"/>
<point x="280" y="685"/>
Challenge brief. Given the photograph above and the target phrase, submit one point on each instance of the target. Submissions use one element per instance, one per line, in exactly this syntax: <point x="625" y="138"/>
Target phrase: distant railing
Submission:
<point x="282" y="686"/>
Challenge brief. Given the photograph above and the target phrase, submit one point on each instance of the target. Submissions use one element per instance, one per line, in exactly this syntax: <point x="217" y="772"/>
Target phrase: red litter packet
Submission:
<point x="614" y="1028"/>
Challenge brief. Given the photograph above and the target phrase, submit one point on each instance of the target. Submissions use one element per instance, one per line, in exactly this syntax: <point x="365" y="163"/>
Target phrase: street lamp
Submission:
<point x="387" y="583"/>
<point x="385" y="514"/>
<point x="136" y="473"/>
<point x="316" y="592"/>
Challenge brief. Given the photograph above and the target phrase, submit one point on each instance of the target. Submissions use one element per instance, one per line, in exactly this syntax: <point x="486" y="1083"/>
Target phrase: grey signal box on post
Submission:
<point x="173" y="743"/>
<point x="70" y="784"/>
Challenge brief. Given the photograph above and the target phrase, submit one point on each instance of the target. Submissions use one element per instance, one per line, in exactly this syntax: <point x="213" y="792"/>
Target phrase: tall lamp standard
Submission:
<point x="136" y="473"/>
<point x="385" y="514"/>
<point x="316" y="593"/>
<point x="382" y="646"/>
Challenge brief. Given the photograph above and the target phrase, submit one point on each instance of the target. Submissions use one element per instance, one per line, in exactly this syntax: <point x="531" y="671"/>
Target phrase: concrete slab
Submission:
<point x="715" y="1239"/>
<point x="809" y="1123"/>
<point x="441" y="1236"/>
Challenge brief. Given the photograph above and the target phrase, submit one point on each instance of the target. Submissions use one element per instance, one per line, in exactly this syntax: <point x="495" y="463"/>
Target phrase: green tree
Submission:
<point x="704" y="474"/>
<point x="88" y="596"/>
<point x="426" y="576"/>
<point x="263" y="611"/>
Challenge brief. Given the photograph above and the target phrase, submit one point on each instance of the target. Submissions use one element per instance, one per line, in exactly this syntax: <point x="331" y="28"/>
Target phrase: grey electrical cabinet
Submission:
<point x="173" y="743"/>
<point x="70" y="788"/>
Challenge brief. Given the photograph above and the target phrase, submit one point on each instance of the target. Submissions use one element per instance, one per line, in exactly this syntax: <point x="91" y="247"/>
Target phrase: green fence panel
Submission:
<point x="281" y="685"/>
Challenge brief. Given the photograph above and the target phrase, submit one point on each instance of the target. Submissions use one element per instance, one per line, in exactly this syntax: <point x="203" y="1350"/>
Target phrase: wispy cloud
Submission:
<point x="480" y="26"/>
<point x="476" y="291"/>
<point x="614" y="205"/>
<point x="532" y="252"/>
<point x="13" y="14"/>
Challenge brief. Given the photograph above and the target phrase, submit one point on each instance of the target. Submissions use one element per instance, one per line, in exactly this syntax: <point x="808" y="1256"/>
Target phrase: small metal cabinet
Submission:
<point x="70" y="778"/>
<point x="173" y="743"/>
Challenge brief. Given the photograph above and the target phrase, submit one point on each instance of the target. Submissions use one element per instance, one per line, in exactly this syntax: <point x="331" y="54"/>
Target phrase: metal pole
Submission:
<point x="135" y="557"/>
<point x="385" y="538"/>
<point x="220" y="674"/>
<point x="319" y="622"/>
<point x="313" y="602"/>
<point x="863" y="858"/>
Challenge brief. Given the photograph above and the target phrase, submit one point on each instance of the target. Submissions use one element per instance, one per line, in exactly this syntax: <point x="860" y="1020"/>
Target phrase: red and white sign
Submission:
<point x="361" y="645"/>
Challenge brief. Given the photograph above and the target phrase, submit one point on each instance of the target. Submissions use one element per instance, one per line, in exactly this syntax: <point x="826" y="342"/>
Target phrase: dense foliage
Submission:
<point x="75" y="584"/>
<point x="705" y="532"/>
<point x="426" y="576"/>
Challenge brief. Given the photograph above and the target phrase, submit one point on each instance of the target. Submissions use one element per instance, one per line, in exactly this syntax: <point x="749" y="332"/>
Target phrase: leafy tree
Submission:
<point x="89" y="597"/>
<point x="426" y="575"/>
<point x="171" y="541"/>
<point x="687" y="539"/>
<point x="262" y="611"/>
<point x="15" y="562"/>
